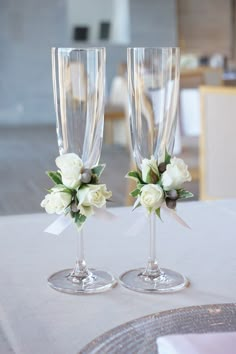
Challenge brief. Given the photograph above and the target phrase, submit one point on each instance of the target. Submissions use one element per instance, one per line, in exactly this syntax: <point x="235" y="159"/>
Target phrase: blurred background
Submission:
<point x="205" y="30"/>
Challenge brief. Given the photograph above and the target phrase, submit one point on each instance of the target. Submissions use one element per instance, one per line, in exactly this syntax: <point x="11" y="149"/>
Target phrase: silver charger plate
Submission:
<point x="139" y="336"/>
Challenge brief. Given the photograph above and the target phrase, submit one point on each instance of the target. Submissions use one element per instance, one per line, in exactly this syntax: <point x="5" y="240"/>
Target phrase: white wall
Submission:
<point x="29" y="28"/>
<point x="91" y="16"/>
<point x="116" y="12"/>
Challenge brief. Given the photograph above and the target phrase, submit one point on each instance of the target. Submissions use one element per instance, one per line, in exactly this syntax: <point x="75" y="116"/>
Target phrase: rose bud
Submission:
<point x="162" y="167"/>
<point x="154" y="177"/>
<point x="86" y="176"/>
<point x="172" y="194"/>
<point x="170" y="203"/>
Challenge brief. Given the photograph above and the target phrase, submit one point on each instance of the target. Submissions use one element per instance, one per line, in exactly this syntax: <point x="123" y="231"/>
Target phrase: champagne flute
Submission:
<point x="153" y="85"/>
<point x="78" y="86"/>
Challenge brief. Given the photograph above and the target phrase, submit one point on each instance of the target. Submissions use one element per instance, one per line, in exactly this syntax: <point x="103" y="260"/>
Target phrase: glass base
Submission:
<point x="167" y="281"/>
<point x="97" y="281"/>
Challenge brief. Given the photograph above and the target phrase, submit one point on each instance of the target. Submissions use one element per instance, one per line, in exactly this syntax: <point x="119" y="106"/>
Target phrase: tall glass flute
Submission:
<point x="153" y="84"/>
<point x="78" y="86"/>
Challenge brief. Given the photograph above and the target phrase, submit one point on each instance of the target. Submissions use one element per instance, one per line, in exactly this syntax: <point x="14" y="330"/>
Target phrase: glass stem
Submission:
<point x="152" y="270"/>
<point x="80" y="262"/>
<point x="80" y="272"/>
<point x="152" y="240"/>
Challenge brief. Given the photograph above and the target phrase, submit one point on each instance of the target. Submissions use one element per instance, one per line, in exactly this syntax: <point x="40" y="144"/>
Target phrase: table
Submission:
<point x="36" y="319"/>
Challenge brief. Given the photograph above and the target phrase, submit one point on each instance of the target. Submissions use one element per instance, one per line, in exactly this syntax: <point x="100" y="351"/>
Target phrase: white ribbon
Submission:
<point x="172" y="213"/>
<point x="103" y="213"/>
<point x="140" y="224"/>
<point x="64" y="221"/>
<point x="59" y="225"/>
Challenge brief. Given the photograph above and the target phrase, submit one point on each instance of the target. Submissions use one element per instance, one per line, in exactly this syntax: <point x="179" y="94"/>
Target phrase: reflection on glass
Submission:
<point x="153" y="83"/>
<point x="153" y="78"/>
<point x="78" y="85"/>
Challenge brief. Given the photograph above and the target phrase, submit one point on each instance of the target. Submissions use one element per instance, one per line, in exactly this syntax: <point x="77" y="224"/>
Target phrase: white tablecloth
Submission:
<point x="36" y="319"/>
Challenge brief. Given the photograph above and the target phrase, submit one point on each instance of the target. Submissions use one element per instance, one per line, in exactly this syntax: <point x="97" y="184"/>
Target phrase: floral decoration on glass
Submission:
<point x="78" y="76"/>
<point x="77" y="191"/>
<point x="159" y="184"/>
<point x="153" y="89"/>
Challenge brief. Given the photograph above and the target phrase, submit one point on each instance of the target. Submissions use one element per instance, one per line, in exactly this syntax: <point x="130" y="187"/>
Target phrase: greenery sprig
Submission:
<point x="160" y="183"/>
<point x="76" y="189"/>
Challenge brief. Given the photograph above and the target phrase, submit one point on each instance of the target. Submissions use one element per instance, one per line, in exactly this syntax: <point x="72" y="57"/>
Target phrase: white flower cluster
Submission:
<point x="77" y="190"/>
<point x="57" y="201"/>
<point x="175" y="175"/>
<point x="157" y="184"/>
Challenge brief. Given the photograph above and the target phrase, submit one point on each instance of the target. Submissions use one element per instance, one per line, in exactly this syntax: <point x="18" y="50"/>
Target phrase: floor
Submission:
<point x="27" y="152"/>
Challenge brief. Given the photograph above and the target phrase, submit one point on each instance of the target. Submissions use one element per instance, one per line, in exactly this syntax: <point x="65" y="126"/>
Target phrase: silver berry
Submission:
<point x="86" y="176"/>
<point x="172" y="194"/>
<point x="74" y="207"/>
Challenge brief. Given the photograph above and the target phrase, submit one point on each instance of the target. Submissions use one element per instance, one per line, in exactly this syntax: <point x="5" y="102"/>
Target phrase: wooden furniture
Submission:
<point x="206" y="27"/>
<point x="113" y="112"/>
<point x="193" y="78"/>
<point x="190" y="112"/>
<point x="229" y="78"/>
<point x="218" y="142"/>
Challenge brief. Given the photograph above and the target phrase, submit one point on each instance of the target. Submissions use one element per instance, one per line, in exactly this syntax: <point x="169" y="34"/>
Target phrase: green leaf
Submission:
<point x="167" y="157"/>
<point x="63" y="189"/>
<point x="79" y="217"/>
<point x="159" y="182"/>
<point x="134" y="175"/>
<point x="72" y="214"/>
<point x="183" y="194"/>
<point x="97" y="170"/>
<point x="82" y="218"/>
<point x="94" y="180"/>
<point x="136" y="206"/>
<point x="135" y="192"/>
<point x="67" y="211"/>
<point x="79" y="220"/>
<point x="54" y="176"/>
<point x="158" y="213"/>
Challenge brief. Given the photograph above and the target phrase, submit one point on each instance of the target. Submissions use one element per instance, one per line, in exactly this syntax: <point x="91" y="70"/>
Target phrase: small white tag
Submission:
<point x="140" y="224"/>
<point x="175" y="216"/>
<point x="59" y="225"/>
<point x="62" y="222"/>
<point x="103" y="213"/>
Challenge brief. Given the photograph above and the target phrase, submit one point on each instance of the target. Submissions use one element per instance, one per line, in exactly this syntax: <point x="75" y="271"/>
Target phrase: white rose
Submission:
<point x="92" y="195"/>
<point x="56" y="201"/>
<point x="152" y="196"/>
<point x="86" y="210"/>
<point x="147" y="167"/>
<point x="70" y="166"/>
<point x="175" y="175"/>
